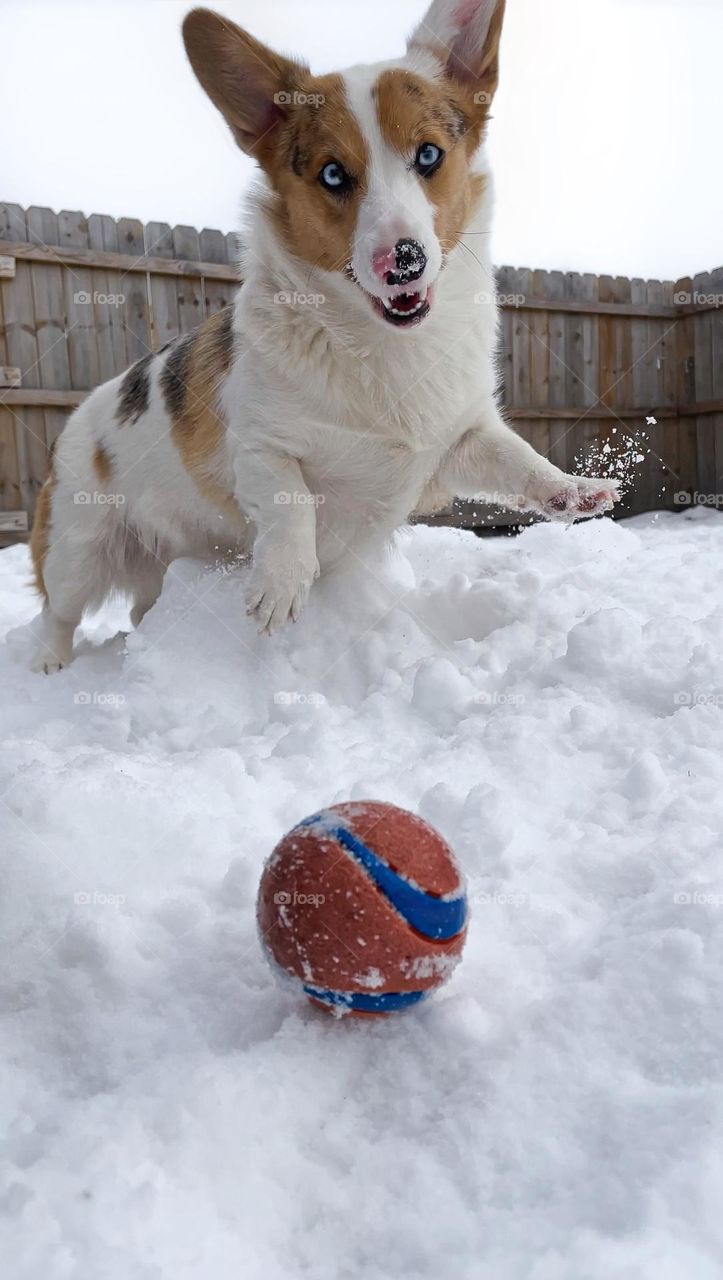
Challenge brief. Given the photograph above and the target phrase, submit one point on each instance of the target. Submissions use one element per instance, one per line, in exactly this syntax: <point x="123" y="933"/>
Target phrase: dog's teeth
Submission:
<point x="408" y="311"/>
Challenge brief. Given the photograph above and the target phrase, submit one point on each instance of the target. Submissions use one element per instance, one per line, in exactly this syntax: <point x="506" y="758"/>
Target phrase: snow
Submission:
<point x="553" y="703"/>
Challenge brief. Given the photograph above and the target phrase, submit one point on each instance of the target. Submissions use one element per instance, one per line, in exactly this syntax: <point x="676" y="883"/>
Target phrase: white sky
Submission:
<point x="605" y="141"/>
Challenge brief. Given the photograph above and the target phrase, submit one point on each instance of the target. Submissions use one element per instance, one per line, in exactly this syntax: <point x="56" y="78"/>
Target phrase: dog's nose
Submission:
<point x="406" y="262"/>
<point x="411" y="261"/>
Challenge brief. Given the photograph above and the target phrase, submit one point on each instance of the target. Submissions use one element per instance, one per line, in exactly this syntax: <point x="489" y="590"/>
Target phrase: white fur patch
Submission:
<point x="396" y="206"/>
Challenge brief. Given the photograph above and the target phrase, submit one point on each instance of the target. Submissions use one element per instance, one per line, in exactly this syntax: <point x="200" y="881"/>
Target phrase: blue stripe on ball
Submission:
<point x="390" y="1002"/>
<point x="436" y="918"/>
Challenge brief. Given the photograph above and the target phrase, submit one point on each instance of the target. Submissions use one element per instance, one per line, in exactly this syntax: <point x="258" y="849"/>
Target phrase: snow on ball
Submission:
<point x="363" y="906"/>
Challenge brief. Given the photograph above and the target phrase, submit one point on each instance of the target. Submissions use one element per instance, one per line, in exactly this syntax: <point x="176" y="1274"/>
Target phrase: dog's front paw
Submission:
<point x="565" y="497"/>
<point x="278" y="594"/>
<point x="45" y="662"/>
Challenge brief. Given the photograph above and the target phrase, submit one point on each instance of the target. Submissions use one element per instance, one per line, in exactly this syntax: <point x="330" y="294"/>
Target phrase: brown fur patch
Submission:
<point x="412" y="111"/>
<point x="40" y="536"/>
<point x="193" y="375"/>
<point x="135" y="391"/>
<point x="102" y="464"/>
<point x="314" y="224"/>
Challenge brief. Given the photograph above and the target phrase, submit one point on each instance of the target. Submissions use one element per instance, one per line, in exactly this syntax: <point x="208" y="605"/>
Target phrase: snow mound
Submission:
<point x="554" y="704"/>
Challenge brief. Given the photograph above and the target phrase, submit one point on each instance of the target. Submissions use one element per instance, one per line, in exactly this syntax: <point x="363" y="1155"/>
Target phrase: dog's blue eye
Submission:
<point x="429" y="158"/>
<point x="334" y="177"/>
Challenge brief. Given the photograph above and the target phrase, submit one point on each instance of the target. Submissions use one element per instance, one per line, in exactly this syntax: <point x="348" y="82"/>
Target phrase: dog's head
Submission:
<point x="371" y="169"/>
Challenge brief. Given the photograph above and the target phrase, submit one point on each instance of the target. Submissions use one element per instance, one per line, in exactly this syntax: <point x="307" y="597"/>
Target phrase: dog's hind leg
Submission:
<point x="70" y="579"/>
<point x="146" y="592"/>
<point x="69" y="570"/>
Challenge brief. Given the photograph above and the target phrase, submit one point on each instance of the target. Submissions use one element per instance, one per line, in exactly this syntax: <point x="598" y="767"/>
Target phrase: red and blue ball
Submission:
<point x="363" y="907"/>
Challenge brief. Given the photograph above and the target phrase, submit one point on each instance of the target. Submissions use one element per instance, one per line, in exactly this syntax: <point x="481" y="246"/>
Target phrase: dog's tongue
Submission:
<point x="406" y="301"/>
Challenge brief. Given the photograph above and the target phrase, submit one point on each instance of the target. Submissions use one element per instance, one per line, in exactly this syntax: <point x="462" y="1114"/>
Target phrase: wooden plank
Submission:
<point x="556" y="341"/>
<point x="11" y="495"/>
<point x="39" y="397"/>
<point x="53" y="362"/>
<point x="581" y="374"/>
<point x="79" y="287"/>
<point x="657" y="467"/>
<point x="717" y="356"/>
<point x="9" y="478"/>
<point x="642" y="496"/>
<point x="7" y="267"/>
<point x="165" y="319"/>
<point x="704" y="383"/>
<point x="135" y="314"/>
<point x="530" y="361"/>
<point x="668" y="430"/>
<point x="66" y="255"/>
<point x="20" y="349"/>
<point x="10" y="376"/>
<point x="218" y="294"/>
<point x="111" y="285"/>
<point x="685" y="364"/>
<point x="537" y="430"/>
<point x="13" y="522"/>
<point x="189" y="293"/>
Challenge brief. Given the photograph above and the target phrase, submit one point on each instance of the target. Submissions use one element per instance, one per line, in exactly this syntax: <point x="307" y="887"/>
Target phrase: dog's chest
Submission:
<point x="410" y="397"/>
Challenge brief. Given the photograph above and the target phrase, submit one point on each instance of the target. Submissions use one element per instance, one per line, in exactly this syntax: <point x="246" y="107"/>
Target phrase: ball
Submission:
<point x="363" y="907"/>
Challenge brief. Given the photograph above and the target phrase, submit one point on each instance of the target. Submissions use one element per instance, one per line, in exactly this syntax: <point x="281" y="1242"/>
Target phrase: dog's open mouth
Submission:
<point x="406" y="309"/>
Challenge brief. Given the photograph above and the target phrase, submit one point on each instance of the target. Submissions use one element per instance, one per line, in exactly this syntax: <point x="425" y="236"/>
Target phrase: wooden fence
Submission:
<point x="588" y="361"/>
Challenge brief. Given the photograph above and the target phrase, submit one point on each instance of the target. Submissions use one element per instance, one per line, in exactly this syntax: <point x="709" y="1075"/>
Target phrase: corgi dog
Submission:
<point x="353" y="381"/>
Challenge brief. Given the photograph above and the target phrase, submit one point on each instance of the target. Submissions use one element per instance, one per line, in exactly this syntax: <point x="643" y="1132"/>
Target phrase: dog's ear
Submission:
<point x="465" y="36"/>
<point x="251" y="85"/>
